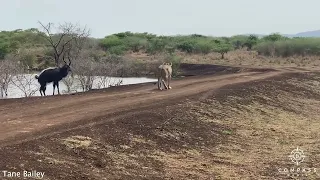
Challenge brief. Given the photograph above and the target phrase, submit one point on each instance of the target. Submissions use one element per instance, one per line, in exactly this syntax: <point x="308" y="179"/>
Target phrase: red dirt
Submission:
<point x="21" y="117"/>
<point x="24" y="120"/>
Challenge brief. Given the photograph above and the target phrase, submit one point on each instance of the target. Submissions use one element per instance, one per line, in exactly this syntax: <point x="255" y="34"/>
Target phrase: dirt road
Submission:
<point x="21" y="118"/>
<point x="207" y="126"/>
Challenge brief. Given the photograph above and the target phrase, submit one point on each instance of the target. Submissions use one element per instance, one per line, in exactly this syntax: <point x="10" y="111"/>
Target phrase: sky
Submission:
<point x="166" y="17"/>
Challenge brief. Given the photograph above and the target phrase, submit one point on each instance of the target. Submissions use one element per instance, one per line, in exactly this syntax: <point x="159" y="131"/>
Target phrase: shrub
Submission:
<point x="290" y="47"/>
<point x="117" y="50"/>
<point x="251" y="41"/>
<point x="274" y="37"/>
<point x="186" y="46"/>
<point x="155" y="46"/>
<point x="203" y="47"/>
<point x="135" y="43"/>
<point x="222" y="48"/>
<point x="238" y="41"/>
<point x="111" y="41"/>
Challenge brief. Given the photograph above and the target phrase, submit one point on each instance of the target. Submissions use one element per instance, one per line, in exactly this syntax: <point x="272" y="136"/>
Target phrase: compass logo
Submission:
<point x="297" y="156"/>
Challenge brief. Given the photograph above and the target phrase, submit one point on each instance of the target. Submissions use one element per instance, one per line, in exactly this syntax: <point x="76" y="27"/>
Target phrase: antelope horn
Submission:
<point x="69" y="58"/>
<point x="69" y="61"/>
<point x="63" y="58"/>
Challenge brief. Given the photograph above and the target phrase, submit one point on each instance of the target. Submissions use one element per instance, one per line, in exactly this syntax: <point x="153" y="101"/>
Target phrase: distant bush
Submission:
<point x="18" y="41"/>
<point x="203" y="47"/>
<point x="239" y="41"/>
<point x="222" y="48"/>
<point x="156" y="45"/>
<point x="251" y="41"/>
<point x="274" y="37"/>
<point x="135" y="44"/>
<point x="117" y="50"/>
<point x="186" y="46"/>
<point x="290" y="47"/>
<point x="110" y="41"/>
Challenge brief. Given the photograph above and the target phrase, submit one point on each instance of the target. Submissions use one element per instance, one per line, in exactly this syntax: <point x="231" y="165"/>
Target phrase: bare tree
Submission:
<point x="69" y="38"/>
<point x="25" y="82"/>
<point x="8" y="69"/>
<point x="85" y="69"/>
<point x="70" y="83"/>
<point x="89" y="70"/>
<point x="106" y="71"/>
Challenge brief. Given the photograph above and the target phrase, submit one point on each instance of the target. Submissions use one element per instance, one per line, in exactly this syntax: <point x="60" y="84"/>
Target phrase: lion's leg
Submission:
<point x="159" y="84"/>
<point x="164" y="83"/>
<point x="169" y="79"/>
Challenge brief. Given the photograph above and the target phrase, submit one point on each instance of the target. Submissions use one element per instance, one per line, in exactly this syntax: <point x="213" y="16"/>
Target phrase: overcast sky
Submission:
<point x="167" y="17"/>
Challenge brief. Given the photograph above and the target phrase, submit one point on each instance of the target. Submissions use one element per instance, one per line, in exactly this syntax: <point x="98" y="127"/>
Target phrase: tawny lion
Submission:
<point x="164" y="75"/>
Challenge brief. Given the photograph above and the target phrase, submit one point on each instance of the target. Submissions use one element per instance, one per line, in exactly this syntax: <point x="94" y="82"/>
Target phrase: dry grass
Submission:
<point x="77" y="142"/>
<point x="237" y="58"/>
<point x="251" y="58"/>
<point x="265" y="134"/>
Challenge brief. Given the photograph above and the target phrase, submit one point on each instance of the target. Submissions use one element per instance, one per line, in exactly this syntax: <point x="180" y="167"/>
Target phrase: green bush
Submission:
<point x="117" y="50"/>
<point x="290" y="47"/>
<point x="4" y="50"/>
<point x="251" y="41"/>
<point x="155" y="46"/>
<point x="222" y="48"/>
<point x="203" y="47"/>
<point x="238" y="41"/>
<point x="135" y="43"/>
<point x="111" y="41"/>
<point x="274" y="37"/>
<point x="186" y="46"/>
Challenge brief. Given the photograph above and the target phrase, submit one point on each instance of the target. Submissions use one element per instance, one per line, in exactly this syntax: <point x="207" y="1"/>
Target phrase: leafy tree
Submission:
<point x="111" y="41"/>
<point x="4" y="50"/>
<point x="156" y="45"/>
<point x="27" y="58"/>
<point x="123" y="34"/>
<point x="135" y="43"/>
<point x="222" y="48"/>
<point x="274" y="37"/>
<point x="117" y="50"/>
<point x="204" y="47"/>
<point x="198" y="35"/>
<point x="251" y="41"/>
<point x="186" y="46"/>
<point x="238" y="41"/>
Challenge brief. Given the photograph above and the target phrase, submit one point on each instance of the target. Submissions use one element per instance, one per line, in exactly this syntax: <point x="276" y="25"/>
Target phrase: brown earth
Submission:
<point x="240" y="126"/>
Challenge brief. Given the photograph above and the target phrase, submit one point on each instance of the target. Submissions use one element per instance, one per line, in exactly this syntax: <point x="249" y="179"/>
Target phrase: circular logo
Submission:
<point x="297" y="156"/>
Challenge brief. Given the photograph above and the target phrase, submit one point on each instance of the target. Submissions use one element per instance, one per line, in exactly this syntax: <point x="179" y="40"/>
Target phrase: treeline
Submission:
<point x="149" y="43"/>
<point x="270" y="45"/>
<point x="31" y="48"/>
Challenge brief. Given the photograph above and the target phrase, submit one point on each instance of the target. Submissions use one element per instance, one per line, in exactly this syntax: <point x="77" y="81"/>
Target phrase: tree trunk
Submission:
<point x="1" y="92"/>
<point x="222" y="55"/>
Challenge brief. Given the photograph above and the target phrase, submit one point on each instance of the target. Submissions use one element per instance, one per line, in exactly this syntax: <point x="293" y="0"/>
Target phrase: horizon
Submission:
<point x="209" y="18"/>
<point x="179" y="34"/>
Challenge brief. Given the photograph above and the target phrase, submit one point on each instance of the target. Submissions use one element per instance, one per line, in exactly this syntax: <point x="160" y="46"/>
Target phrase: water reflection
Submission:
<point x="27" y="85"/>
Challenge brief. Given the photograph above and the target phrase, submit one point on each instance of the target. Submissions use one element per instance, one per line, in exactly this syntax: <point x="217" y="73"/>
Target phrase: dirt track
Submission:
<point x="21" y="117"/>
<point x="128" y="132"/>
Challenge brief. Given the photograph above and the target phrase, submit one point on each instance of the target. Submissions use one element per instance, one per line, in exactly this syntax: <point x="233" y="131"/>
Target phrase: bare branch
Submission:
<point x="69" y="39"/>
<point x="8" y="69"/>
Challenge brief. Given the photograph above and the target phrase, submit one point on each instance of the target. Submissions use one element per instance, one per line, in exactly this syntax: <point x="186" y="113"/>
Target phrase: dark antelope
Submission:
<point x="53" y="75"/>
